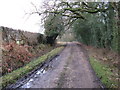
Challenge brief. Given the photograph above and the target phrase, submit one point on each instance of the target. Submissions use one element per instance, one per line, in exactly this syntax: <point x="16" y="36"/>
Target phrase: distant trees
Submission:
<point x="73" y="11"/>
<point x="100" y="29"/>
<point x="69" y="11"/>
<point x="95" y="24"/>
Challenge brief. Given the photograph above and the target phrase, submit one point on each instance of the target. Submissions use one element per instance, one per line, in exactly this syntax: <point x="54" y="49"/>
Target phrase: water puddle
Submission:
<point x="28" y="84"/>
<point x="37" y="74"/>
<point x="29" y="81"/>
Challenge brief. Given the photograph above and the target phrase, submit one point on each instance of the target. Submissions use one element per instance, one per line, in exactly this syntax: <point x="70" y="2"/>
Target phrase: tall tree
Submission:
<point x="101" y="28"/>
<point x="53" y="27"/>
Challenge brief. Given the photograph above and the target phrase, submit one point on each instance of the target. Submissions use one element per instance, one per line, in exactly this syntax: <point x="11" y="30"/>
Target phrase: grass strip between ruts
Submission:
<point x="16" y="74"/>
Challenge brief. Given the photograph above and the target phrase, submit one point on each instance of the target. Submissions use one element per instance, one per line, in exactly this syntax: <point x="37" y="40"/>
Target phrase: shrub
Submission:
<point x="14" y="56"/>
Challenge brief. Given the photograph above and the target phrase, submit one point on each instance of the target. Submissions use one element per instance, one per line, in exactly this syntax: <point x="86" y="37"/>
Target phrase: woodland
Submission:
<point x="93" y="23"/>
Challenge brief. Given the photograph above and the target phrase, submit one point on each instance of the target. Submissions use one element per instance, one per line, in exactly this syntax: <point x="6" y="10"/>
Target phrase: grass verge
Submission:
<point x="104" y="73"/>
<point x="13" y="76"/>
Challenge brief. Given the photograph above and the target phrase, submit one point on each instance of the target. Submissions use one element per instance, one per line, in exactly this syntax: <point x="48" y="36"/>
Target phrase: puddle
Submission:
<point x="39" y="73"/>
<point x="29" y="81"/>
<point x="27" y="85"/>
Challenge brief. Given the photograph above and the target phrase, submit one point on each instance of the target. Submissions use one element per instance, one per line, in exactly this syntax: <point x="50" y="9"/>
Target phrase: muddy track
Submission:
<point x="70" y="69"/>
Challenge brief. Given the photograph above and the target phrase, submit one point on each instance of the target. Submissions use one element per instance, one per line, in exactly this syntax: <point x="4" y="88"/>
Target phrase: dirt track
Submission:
<point x="71" y="69"/>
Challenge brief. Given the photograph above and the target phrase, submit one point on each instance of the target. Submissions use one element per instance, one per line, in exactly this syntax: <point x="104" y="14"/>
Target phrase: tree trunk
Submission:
<point x="51" y="39"/>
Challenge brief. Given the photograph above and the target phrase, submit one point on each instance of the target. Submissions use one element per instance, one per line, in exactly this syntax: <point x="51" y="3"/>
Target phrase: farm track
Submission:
<point x="70" y="69"/>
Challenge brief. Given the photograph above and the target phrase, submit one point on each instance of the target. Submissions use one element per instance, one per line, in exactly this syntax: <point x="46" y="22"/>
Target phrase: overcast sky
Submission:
<point x="12" y="14"/>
